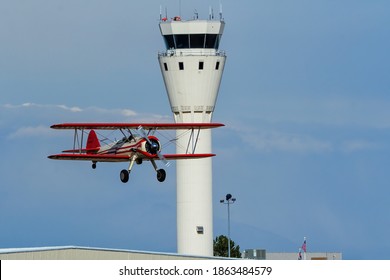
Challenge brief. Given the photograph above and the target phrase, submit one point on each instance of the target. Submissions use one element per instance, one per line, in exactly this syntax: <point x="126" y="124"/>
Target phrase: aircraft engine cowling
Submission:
<point x="152" y="146"/>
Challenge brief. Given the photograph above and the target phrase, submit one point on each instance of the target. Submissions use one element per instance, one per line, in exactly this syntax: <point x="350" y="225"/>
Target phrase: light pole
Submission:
<point x="229" y="200"/>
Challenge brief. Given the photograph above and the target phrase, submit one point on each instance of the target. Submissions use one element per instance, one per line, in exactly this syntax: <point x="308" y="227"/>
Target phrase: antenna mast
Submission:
<point x="220" y="11"/>
<point x="196" y="14"/>
<point x="211" y="13"/>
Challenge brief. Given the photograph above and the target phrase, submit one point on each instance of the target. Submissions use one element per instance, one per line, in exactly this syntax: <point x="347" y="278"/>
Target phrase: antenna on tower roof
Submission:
<point x="211" y="13"/>
<point x="196" y="14"/>
<point x="220" y="11"/>
<point x="166" y="14"/>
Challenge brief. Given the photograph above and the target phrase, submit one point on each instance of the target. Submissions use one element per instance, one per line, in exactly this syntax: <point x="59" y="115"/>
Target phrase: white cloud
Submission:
<point x="47" y="106"/>
<point x="30" y="131"/>
<point x="128" y="113"/>
<point x="264" y="139"/>
<point x="279" y="141"/>
<point x="72" y="109"/>
<point x="31" y="119"/>
<point x="327" y="110"/>
<point x="91" y="112"/>
<point x="358" y="145"/>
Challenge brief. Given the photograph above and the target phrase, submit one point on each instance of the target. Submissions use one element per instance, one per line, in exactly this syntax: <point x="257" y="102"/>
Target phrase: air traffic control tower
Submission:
<point x="192" y="68"/>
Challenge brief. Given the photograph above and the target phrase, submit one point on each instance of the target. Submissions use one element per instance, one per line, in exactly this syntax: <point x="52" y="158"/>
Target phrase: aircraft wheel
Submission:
<point x="94" y="165"/>
<point x="161" y="175"/>
<point x="124" y="175"/>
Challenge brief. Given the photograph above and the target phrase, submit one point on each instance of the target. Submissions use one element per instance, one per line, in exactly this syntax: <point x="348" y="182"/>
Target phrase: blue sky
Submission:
<point x="304" y="98"/>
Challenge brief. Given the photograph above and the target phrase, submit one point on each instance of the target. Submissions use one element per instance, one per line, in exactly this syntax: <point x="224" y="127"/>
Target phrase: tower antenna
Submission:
<point x="196" y="14"/>
<point x="211" y="13"/>
<point x="220" y="11"/>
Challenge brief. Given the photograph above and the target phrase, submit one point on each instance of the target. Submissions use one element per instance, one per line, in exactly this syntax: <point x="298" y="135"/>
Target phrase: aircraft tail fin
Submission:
<point x="93" y="144"/>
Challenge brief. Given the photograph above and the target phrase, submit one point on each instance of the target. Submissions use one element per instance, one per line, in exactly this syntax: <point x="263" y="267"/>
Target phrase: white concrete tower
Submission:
<point x="192" y="68"/>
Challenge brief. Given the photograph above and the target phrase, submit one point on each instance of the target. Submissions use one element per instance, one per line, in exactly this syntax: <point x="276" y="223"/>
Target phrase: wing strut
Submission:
<point x="193" y="141"/>
<point x="78" y="143"/>
<point x="82" y="139"/>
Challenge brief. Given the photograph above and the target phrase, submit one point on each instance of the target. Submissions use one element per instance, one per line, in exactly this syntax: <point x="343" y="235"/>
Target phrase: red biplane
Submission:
<point x="138" y="144"/>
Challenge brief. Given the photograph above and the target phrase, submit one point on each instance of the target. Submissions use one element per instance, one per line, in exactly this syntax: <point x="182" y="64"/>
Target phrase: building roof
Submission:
<point x="80" y="252"/>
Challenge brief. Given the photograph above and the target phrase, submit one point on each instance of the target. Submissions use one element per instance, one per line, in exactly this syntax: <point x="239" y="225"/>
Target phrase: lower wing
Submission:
<point x="122" y="158"/>
<point x="91" y="157"/>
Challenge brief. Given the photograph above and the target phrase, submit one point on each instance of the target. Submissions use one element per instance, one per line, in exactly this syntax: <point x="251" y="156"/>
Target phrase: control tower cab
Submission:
<point x="192" y="67"/>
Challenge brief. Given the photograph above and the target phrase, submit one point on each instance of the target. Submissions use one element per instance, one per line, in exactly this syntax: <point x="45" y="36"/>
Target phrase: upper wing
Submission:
<point x="121" y="158"/>
<point x="147" y="126"/>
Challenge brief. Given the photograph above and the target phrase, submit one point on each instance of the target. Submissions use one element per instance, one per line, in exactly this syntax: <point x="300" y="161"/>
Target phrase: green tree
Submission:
<point x="221" y="247"/>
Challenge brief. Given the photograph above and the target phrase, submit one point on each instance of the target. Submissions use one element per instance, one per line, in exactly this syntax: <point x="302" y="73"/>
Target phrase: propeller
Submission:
<point x="152" y="146"/>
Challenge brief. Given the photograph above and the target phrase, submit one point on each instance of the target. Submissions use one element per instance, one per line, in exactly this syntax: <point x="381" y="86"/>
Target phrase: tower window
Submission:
<point x="182" y="41"/>
<point x="199" y="230"/>
<point x="212" y="41"/>
<point x="181" y="65"/>
<point x="201" y="65"/>
<point x="217" y="65"/>
<point x="197" y="41"/>
<point x="165" y="66"/>
<point x="169" y="41"/>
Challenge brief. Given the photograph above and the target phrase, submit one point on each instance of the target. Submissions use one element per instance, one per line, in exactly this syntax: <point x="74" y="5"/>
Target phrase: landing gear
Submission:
<point x="161" y="175"/>
<point x="93" y="165"/>
<point x="124" y="175"/>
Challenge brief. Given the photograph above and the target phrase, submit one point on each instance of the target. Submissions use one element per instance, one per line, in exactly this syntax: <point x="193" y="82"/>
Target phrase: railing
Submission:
<point x="195" y="52"/>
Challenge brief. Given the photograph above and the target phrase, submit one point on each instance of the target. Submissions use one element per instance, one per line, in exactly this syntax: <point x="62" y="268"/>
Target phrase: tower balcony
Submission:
<point x="192" y="52"/>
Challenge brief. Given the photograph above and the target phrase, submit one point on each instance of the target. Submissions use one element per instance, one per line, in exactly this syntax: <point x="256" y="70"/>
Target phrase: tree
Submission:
<point x="221" y="247"/>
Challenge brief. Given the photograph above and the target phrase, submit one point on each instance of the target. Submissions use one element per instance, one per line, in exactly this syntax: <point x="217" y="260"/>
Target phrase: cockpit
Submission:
<point x="127" y="139"/>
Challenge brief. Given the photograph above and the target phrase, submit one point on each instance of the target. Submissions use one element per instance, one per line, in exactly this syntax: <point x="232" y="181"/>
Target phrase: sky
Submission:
<point x="304" y="97"/>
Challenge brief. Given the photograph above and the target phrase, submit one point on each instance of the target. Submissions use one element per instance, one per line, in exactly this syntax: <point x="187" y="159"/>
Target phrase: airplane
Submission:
<point x="136" y="146"/>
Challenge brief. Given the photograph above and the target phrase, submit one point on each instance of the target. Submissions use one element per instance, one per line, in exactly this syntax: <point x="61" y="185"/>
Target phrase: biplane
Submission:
<point x="138" y="144"/>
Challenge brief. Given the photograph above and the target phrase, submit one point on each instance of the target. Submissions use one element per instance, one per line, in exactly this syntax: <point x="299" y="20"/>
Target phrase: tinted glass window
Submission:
<point x="169" y="42"/>
<point x="212" y="41"/>
<point x="197" y="41"/>
<point x="182" y="41"/>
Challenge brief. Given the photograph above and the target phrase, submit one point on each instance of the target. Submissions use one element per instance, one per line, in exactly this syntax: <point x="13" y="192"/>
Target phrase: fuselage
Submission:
<point x="130" y="145"/>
